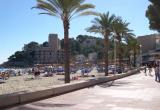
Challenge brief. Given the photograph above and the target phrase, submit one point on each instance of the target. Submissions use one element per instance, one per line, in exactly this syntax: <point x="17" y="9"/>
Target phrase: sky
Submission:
<point x="19" y="24"/>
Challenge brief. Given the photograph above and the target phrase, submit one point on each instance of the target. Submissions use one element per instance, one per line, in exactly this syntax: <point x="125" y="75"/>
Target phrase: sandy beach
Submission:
<point x="26" y="82"/>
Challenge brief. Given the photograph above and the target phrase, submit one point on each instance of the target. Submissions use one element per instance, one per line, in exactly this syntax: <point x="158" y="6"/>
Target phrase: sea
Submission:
<point x="2" y="69"/>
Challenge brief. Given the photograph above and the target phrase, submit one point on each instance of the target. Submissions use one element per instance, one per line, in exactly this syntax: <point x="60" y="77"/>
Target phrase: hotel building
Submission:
<point x="50" y="53"/>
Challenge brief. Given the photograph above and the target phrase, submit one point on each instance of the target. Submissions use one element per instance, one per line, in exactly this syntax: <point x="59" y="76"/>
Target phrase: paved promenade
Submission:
<point x="137" y="92"/>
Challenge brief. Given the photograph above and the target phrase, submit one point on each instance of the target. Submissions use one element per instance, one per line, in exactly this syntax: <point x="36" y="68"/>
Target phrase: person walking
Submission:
<point x="145" y="70"/>
<point x="150" y="69"/>
<point x="157" y="72"/>
<point x="36" y="72"/>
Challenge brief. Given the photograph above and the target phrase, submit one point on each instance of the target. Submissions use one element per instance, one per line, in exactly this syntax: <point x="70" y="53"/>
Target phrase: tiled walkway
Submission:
<point x="137" y="92"/>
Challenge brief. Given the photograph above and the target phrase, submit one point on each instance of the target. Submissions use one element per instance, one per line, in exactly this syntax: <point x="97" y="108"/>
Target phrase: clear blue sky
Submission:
<point x="20" y="25"/>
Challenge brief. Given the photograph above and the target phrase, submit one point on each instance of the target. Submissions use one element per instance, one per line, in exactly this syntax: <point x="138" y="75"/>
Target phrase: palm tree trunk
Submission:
<point x="66" y="50"/>
<point x="128" y="56"/>
<point x="119" y="51"/>
<point x="134" y="58"/>
<point x="106" y="54"/>
<point x="129" y="61"/>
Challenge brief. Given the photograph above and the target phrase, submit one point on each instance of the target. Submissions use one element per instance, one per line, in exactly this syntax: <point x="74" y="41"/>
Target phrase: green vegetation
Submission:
<point x="121" y="31"/>
<point x="24" y="58"/>
<point x="65" y="10"/>
<point x="110" y="26"/>
<point x="84" y="44"/>
<point x="79" y="45"/>
<point x="103" y="26"/>
<point x="133" y="48"/>
<point x="153" y="14"/>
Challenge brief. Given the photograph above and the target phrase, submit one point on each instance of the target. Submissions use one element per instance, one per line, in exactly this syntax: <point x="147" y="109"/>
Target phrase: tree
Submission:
<point x="65" y="10"/>
<point x="133" y="48"/>
<point x="29" y="51"/>
<point x="45" y="44"/>
<point x="74" y="46"/>
<point x="18" y="56"/>
<point x="25" y="57"/>
<point x="153" y="15"/>
<point x="81" y="38"/>
<point x="31" y="46"/>
<point x="120" y="29"/>
<point x="103" y="25"/>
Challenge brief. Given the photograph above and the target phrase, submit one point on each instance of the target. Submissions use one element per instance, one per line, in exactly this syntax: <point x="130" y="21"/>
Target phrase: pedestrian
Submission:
<point x="36" y="72"/>
<point x="150" y="70"/>
<point x="145" y="70"/>
<point x="157" y="72"/>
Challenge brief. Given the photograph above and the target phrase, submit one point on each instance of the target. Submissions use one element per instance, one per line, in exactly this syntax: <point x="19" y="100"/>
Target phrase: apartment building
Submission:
<point x="51" y="53"/>
<point x="150" y="47"/>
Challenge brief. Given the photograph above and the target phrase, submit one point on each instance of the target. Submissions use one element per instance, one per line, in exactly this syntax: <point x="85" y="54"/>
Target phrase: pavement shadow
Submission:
<point x="23" y="108"/>
<point x="38" y="105"/>
<point x="113" y="83"/>
<point x="52" y="104"/>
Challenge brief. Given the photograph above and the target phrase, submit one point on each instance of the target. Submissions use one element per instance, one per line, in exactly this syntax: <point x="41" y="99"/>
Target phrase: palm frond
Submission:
<point x="89" y="13"/>
<point x="84" y="7"/>
<point x="64" y="8"/>
<point x="47" y="7"/>
<point x="102" y="24"/>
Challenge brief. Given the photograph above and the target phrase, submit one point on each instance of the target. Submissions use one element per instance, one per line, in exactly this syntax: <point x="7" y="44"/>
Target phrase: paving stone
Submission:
<point x="136" y="92"/>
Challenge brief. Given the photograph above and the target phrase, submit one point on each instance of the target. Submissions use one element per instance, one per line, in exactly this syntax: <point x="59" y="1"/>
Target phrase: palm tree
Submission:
<point x="120" y="30"/>
<point x="136" y="51"/>
<point x="128" y="40"/>
<point x="65" y="10"/>
<point x="103" y="26"/>
<point x="133" y="48"/>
